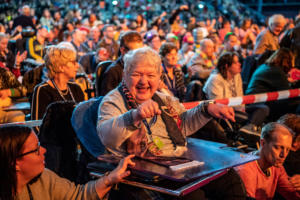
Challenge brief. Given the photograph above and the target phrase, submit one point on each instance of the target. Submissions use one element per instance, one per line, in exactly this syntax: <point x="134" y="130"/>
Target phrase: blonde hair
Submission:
<point x="57" y="56"/>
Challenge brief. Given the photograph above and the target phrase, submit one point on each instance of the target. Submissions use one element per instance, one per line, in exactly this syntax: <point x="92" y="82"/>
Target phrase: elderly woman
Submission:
<point x="268" y="39"/>
<point x="135" y="118"/>
<point x="62" y="66"/>
<point x="273" y="76"/>
<point x="23" y="174"/>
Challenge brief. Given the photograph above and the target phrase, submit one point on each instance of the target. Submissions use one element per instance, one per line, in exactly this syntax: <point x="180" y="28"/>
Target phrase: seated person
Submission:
<point x="226" y="82"/>
<point x="204" y="61"/>
<point x="8" y="59"/>
<point x="10" y="87"/>
<point x="23" y="173"/>
<point x="266" y="175"/>
<point x="60" y="61"/>
<point x="135" y="118"/>
<point x="126" y="112"/>
<point x="172" y="75"/>
<point x="90" y="60"/>
<point x="292" y="161"/>
<point x="274" y="76"/>
<point x="36" y="44"/>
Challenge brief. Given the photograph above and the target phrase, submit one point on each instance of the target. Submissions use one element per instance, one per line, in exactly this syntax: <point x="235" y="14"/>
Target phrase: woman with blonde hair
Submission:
<point x="61" y="64"/>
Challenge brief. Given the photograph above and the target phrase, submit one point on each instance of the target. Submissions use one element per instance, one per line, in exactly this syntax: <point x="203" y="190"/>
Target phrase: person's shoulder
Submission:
<point x="248" y="168"/>
<point x="112" y="96"/>
<point x="167" y="98"/>
<point x="74" y="86"/>
<point x="113" y="67"/>
<point x="42" y="85"/>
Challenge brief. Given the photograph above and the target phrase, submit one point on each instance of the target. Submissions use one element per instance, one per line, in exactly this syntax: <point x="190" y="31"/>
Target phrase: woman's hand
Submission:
<point x="104" y="184"/>
<point x="121" y="171"/>
<point x="147" y="109"/>
<point x="20" y="58"/>
<point x="221" y="111"/>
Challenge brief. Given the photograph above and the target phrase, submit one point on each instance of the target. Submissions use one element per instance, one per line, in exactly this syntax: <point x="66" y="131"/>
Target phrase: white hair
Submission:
<point x="144" y="54"/>
<point x="276" y="19"/>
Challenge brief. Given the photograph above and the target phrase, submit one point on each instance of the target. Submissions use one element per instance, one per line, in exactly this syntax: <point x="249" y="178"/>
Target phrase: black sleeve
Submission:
<point x="78" y="93"/>
<point x="85" y="62"/>
<point x="286" y="39"/>
<point x="110" y="81"/>
<point x="40" y="100"/>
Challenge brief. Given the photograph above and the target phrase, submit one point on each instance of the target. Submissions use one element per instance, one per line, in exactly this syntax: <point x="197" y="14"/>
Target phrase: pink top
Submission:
<point x="260" y="186"/>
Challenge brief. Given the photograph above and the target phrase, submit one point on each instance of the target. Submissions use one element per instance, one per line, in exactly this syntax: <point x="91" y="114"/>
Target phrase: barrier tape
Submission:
<point x="249" y="99"/>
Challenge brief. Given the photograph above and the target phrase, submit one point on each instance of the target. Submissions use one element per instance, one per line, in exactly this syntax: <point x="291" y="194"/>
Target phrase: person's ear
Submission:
<point x="61" y="68"/>
<point x="262" y="142"/>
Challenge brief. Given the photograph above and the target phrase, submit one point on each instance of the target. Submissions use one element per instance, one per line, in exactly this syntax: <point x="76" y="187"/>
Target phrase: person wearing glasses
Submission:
<point x="24" y="176"/>
<point x="61" y="64"/>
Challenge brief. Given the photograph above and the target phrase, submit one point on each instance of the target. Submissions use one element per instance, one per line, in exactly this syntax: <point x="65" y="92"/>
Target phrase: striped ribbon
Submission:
<point x="249" y="99"/>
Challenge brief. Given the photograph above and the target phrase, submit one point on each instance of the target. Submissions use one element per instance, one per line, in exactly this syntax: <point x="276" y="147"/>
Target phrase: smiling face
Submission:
<point x="277" y="28"/>
<point x="274" y="152"/>
<point x="142" y="81"/>
<point x="30" y="165"/>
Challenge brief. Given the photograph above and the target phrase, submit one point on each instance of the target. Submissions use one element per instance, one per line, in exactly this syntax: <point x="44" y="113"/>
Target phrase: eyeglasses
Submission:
<point x="36" y="151"/>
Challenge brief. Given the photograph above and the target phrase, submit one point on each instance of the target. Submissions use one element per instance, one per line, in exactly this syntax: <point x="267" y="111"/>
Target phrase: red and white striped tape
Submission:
<point x="249" y="99"/>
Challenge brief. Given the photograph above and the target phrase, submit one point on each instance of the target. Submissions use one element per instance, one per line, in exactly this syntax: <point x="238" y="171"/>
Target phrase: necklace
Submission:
<point x="65" y="93"/>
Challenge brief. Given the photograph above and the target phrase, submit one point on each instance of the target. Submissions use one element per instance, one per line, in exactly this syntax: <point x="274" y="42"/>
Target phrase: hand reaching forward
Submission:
<point x="147" y="109"/>
<point x="221" y="111"/>
<point x="121" y="171"/>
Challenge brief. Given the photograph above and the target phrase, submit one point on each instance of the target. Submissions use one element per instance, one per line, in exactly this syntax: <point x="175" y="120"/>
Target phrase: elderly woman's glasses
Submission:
<point x="36" y="151"/>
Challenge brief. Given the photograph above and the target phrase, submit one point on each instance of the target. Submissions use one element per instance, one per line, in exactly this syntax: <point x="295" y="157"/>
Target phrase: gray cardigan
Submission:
<point x="115" y="124"/>
<point x="50" y="186"/>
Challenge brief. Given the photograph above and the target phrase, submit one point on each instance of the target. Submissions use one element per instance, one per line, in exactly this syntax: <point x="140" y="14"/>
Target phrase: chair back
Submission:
<point x="58" y="137"/>
<point x="84" y="122"/>
<point x="101" y="68"/>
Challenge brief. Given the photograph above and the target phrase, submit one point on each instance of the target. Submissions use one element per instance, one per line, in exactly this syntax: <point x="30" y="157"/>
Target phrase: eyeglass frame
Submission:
<point x="37" y="150"/>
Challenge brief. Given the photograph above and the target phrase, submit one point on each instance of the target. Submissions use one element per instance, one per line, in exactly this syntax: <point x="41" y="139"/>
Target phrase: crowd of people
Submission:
<point x="141" y="61"/>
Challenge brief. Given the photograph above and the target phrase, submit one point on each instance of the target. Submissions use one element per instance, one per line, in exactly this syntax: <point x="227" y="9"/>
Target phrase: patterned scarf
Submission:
<point x="138" y="143"/>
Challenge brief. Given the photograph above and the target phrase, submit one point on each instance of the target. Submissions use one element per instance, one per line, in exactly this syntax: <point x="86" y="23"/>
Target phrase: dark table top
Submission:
<point x="216" y="157"/>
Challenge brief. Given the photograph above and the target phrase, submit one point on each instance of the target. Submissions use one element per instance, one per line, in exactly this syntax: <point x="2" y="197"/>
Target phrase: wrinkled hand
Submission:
<point x="147" y="109"/>
<point x="5" y="93"/>
<point x="295" y="181"/>
<point x="121" y="171"/>
<point x="221" y="111"/>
